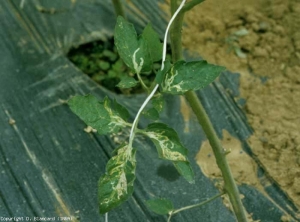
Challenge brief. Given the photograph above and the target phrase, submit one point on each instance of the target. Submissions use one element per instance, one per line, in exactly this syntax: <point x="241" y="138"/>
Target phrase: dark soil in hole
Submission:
<point x="101" y="62"/>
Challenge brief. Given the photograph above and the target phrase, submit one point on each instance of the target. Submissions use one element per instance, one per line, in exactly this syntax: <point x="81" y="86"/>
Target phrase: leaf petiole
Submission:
<point x="118" y="8"/>
<point x="194" y="205"/>
<point x="146" y="88"/>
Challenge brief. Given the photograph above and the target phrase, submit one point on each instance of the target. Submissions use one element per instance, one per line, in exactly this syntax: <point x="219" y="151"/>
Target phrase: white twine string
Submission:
<point x="162" y="67"/>
<point x="164" y="54"/>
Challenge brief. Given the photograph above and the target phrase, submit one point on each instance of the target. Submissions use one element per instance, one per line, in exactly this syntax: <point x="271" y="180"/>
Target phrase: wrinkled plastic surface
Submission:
<point x="50" y="166"/>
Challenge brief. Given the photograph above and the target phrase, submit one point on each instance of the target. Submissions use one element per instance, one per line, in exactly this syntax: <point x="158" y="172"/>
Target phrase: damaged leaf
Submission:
<point x="138" y="53"/>
<point x="170" y="148"/>
<point x="102" y="116"/>
<point x="186" y="76"/>
<point x="116" y="186"/>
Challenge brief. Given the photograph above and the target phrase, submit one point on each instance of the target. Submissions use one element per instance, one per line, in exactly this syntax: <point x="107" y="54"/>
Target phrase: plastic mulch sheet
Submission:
<point x="50" y="166"/>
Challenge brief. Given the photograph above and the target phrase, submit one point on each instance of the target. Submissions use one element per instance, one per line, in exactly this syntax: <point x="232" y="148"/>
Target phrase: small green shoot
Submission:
<point x="160" y="206"/>
<point x="163" y="206"/>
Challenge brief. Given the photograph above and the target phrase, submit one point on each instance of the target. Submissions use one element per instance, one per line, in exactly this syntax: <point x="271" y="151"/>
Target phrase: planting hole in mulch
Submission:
<point x="101" y="62"/>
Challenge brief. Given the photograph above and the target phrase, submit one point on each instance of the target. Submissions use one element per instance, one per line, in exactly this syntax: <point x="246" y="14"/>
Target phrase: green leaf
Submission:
<point x="133" y="50"/>
<point x="158" y="103"/>
<point x="143" y="55"/>
<point x="184" y="169"/>
<point x="103" y="65"/>
<point x="157" y="106"/>
<point x="116" y="186"/>
<point x="160" y="76"/>
<point x="160" y="206"/>
<point x="126" y="41"/>
<point x="170" y="148"/>
<point x="151" y="113"/>
<point x="117" y="113"/>
<point x="99" y="115"/>
<point x="120" y="110"/>
<point x="154" y="44"/>
<point x="167" y="142"/>
<point x="91" y="111"/>
<point x="127" y="82"/>
<point x="185" y="76"/>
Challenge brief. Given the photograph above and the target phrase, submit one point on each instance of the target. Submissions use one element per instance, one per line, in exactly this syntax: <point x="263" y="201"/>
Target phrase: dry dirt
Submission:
<point x="243" y="167"/>
<point x="260" y="39"/>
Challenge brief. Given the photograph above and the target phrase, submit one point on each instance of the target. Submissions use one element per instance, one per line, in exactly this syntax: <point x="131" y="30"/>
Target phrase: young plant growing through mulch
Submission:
<point x="176" y="77"/>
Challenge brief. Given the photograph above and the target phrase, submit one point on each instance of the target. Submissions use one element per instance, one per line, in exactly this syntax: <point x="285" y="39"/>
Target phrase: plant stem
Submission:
<point x="193" y="206"/>
<point x="198" y="205"/>
<point x="229" y="184"/>
<point x="188" y="6"/>
<point x="143" y="84"/>
<point x="175" y="33"/>
<point x="118" y="8"/>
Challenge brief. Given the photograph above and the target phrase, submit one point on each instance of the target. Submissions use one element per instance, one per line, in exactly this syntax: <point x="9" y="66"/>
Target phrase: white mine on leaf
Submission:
<point x="125" y="152"/>
<point x="137" y="67"/>
<point x="120" y="169"/>
<point x="115" y="120"/>
<point x="168" y="87"/>
<point x="121" y="187"/>
<point x="166" y="146"/>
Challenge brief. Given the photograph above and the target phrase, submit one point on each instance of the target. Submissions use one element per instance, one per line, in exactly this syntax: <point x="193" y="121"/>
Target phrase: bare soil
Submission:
<point x="260" y="39"/>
